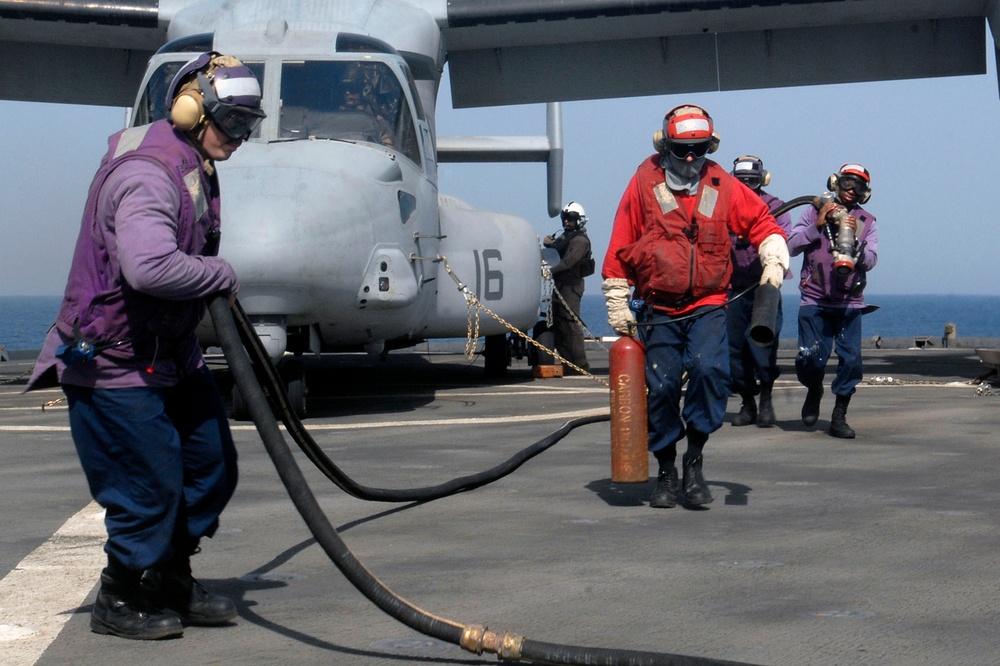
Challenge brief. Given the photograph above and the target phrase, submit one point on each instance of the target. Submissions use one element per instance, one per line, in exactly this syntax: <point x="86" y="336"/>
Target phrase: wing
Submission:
<point x="520" y="51"/>
<point x="76" y="51"/>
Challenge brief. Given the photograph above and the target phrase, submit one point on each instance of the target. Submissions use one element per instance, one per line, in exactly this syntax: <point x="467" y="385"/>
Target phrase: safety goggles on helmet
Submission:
<point x="682" y="150"/>
<point x="570" y="216"/>
<point x="232" y="101"/>
<point x="848" y="182"/>
<point x="751" y="181"/>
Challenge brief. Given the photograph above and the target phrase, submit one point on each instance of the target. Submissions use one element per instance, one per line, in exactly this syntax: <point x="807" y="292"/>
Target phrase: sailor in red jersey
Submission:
<point x="671" y="244"/>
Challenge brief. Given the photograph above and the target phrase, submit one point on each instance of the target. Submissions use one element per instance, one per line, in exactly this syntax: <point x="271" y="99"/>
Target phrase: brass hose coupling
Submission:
<point x="479" y="639"/>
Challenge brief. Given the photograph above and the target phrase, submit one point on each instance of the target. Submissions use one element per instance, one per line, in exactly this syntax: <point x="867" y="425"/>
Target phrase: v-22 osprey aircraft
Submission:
<point x="332" y="215"/>
<point x="331" y="212"/>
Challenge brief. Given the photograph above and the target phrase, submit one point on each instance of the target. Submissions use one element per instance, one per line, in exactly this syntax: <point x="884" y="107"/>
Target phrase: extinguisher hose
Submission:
<point x="267" y="375"/>
<point x="474" y="638"/>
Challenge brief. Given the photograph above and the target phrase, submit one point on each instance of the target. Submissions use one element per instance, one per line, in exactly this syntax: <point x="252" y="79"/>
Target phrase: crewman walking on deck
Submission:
<point x="754" y="366"/>
<point x="839" y="245"/>
<point x="670" y="241"/>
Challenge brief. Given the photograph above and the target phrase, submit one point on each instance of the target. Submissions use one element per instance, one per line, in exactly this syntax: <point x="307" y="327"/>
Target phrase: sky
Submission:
<point x="931" y="145"/>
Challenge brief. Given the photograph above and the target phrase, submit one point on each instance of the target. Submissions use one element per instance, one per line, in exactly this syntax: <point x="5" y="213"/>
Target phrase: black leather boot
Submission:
<point x="765" y="413"/>
<point x="696" y="490"/>
<point x="665" y="493"/>
<point x="172" y="585"/>
<point x="748" y="411"/>
<point x="810" y="408"/>
<point x="122" y="609"/>
<point x="838" y="422"/>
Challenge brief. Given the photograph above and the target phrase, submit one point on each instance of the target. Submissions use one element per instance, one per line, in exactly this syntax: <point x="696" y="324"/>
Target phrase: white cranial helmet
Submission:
<point x="574" y="212"/>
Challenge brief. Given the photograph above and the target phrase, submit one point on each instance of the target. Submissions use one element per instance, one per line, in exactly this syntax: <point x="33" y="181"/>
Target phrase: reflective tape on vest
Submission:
<point x="665" y="198"/>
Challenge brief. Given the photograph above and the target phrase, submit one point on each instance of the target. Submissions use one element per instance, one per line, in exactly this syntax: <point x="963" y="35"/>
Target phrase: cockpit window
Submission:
<point x="353" y="101"/>
<point x="153" y="103"/>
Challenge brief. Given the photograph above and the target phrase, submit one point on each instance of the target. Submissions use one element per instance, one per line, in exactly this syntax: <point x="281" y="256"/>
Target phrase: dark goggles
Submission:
<point x="570" y="216"/>
<point x="236" y="122"/>
<point x="852" y="184"/>
<point x="753" y="182"/>
<point x="682" y="150"/>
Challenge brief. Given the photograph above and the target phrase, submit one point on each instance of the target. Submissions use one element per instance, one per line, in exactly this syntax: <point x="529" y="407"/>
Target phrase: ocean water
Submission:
<point x="24" y="320"/>
<point x="898" y="316"/>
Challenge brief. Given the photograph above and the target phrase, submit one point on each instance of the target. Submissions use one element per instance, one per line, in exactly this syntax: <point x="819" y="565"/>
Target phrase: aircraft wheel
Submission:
<point x="294" y="375"/>
<point x="544" y="336"/>
<point x="496" y="353"/>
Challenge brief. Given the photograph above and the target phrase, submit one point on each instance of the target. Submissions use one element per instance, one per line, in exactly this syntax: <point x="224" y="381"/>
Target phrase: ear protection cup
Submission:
<point x="713" y="143"/>
<point x="765" y="179"/>
<point x="831" y="182"/>
<point x="863" y="199"/>
<point x="659" y="142"/>
<point x="187" y="111"/>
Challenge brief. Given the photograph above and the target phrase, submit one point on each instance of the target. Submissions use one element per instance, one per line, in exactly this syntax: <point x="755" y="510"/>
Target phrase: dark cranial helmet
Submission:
<point x="749" y="169"/>
<point x="220" y="88"/>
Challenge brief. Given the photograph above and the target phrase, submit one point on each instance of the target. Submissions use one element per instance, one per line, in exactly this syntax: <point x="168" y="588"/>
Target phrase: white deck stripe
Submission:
<point x="315" y="426"/>
<point x="44" y="590"/>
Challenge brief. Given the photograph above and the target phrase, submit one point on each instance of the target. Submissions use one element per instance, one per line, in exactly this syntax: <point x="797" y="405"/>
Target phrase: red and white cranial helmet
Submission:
<point x="856" y="170"/>
<point x="688" y="124"/>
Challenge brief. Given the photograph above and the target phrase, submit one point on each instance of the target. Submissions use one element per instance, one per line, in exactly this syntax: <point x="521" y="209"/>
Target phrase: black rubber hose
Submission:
<point x="794" y="203"/>
<point x="268" y="376"/>
<point x="300" y="494"/>
<point x="355" y="572"/>
<point x="552" y="653"/>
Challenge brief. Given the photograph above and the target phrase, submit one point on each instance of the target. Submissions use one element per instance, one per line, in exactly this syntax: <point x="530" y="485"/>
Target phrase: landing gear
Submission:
<point x="293" y="376"/>
<point x="544" y="336"/>
<point x="496" y="354"/>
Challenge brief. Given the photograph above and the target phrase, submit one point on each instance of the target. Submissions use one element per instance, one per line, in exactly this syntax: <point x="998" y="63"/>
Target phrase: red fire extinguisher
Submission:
<point x="629" y="427"/>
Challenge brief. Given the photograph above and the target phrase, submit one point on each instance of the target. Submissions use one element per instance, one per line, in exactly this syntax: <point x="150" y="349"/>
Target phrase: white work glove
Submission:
<point x="616" y="295"/>
<point x="773" y="252"/>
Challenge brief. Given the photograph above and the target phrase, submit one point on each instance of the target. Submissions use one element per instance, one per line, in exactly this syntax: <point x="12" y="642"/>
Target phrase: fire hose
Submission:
<point x="474" y="638"/>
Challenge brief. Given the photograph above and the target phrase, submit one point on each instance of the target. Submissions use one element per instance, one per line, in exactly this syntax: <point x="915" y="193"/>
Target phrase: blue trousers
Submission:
<point x="749" y="362"/>
<point x="698" y="345"/>
<point x="821" y="328"/>
<point x="160" y="461"/>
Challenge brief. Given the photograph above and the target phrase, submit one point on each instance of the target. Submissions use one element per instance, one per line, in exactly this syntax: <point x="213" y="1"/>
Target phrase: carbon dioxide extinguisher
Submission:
<point x="629" y="426"/>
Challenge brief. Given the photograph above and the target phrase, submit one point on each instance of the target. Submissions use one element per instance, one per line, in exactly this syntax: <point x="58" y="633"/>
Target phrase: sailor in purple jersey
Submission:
<point x="753" y="366"/>
<point x="146" y="417"/>
<point x="832" y="287"/>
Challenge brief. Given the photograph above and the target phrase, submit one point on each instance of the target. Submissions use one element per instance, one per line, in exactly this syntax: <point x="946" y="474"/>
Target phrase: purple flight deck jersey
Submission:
<point x="142" y="267"/>
<point x="819" y="284"/>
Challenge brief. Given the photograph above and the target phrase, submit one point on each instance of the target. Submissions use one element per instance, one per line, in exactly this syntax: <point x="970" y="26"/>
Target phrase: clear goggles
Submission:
<point x="682" y="150"/>
<point x="236" y="122"/>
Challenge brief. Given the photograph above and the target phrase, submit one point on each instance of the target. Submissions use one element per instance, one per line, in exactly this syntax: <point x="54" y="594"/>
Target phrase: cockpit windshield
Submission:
<point x="348" y="100"/>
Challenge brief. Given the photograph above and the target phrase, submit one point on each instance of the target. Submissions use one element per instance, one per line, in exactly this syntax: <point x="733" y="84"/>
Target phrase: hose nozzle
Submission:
<point x="842" y="246"/>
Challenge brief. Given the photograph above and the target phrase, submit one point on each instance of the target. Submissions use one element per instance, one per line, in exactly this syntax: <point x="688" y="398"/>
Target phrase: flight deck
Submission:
<point x="816" y="551"/>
